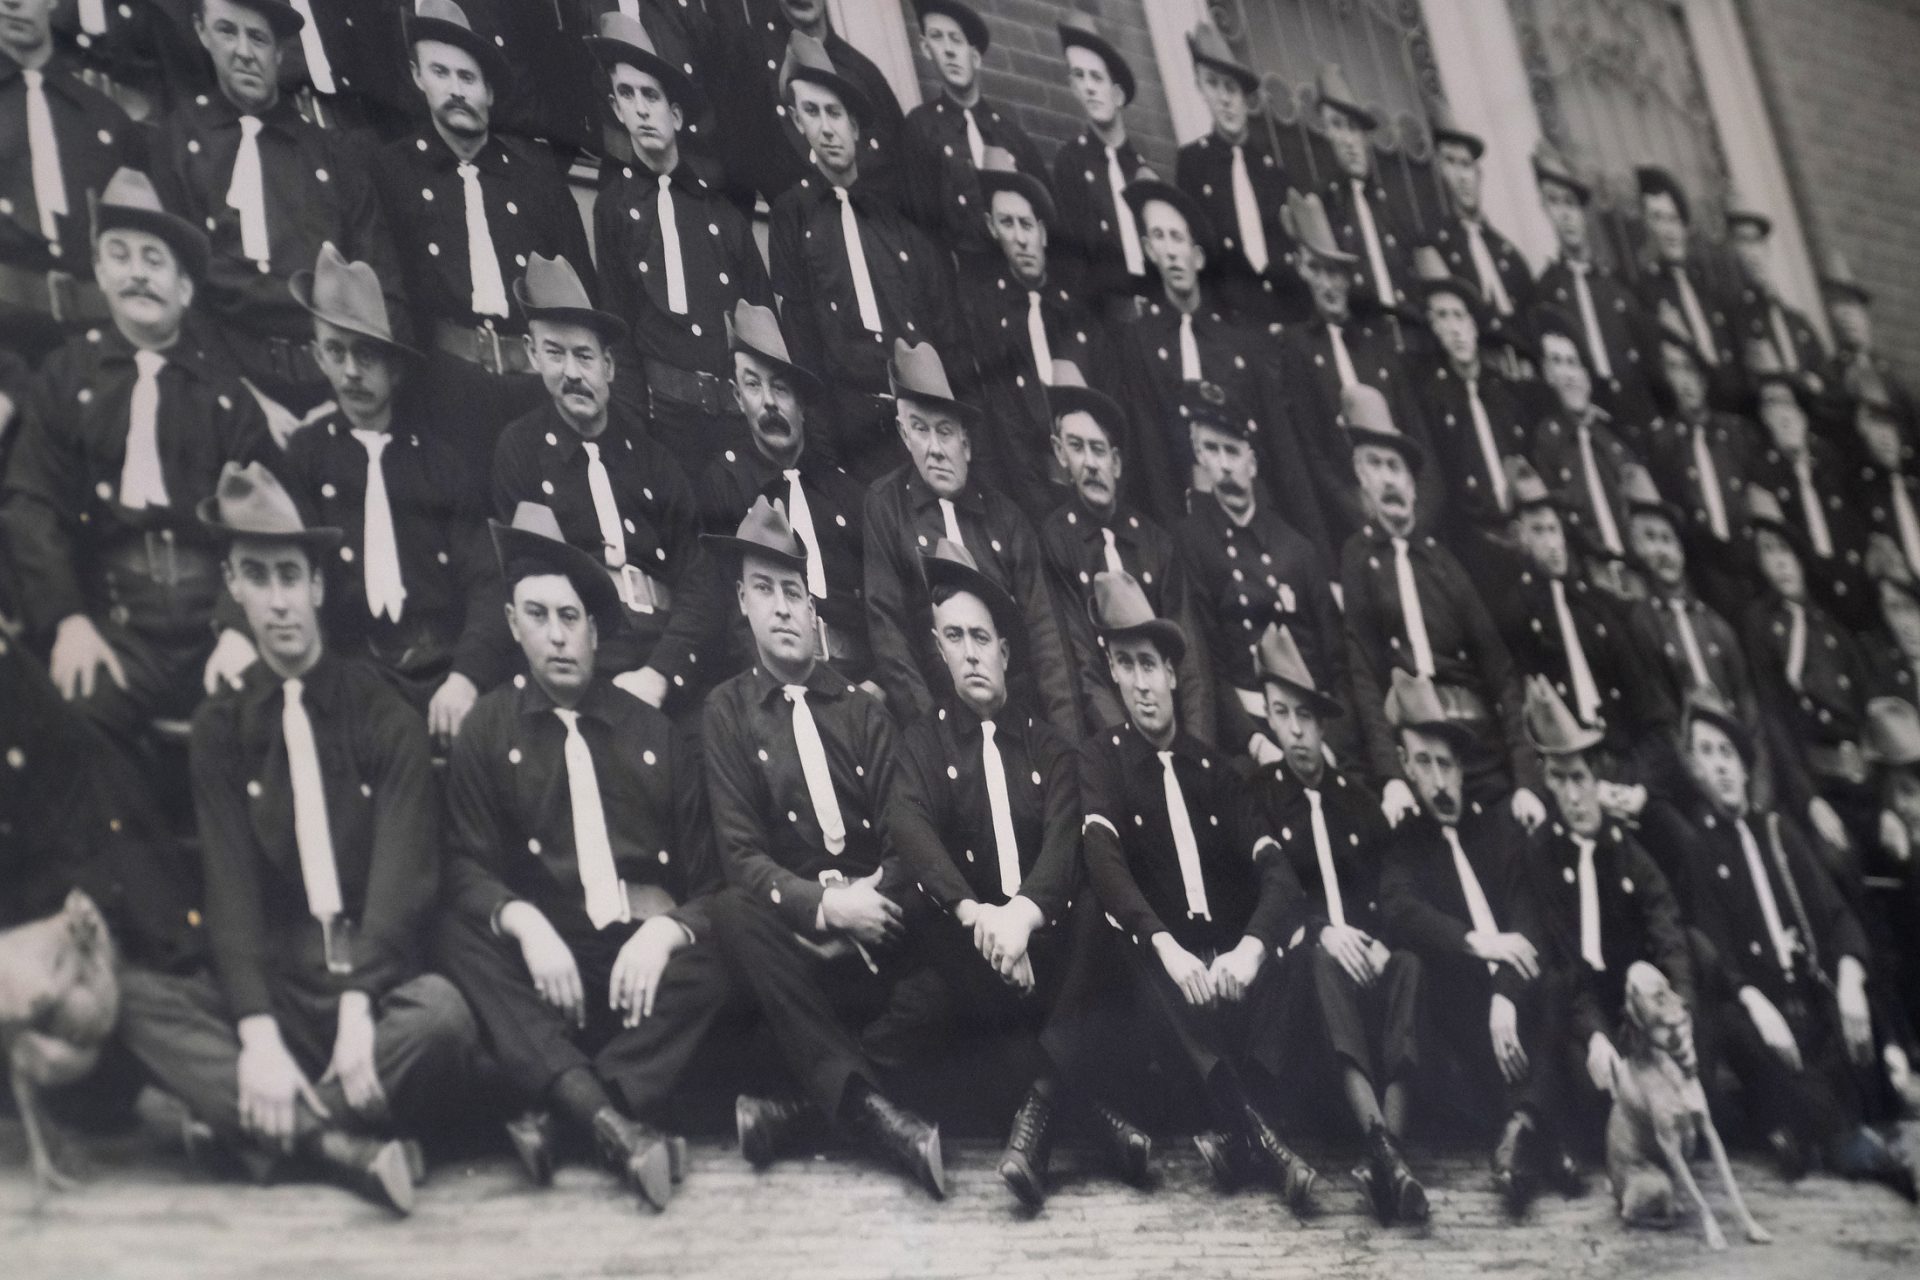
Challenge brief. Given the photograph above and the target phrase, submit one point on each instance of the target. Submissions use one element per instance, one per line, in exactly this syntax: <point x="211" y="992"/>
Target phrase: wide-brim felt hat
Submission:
<point x="1550" y="166"/>
<point x="620" y="38"/>
<point x="1414" y="702"/>
<point x="1078" y="29"/>
<point x="551" y="290"/>
<point x="1066" y="398"/>
<point x="998" y="172"/>
<point x="1892" y="736"/>
<point x="1332" y="90"/>
<point x="535" y="536"/>
<point x="1525" y="486"/>
<point x="1148" y="189"/>
<point x="971" y="24"/>
<point x="1445" y="128"/>
<point x="1305" y="218"/>
<point x="1652" y="180"/>
<point x="129" y="200"/>
<point x="1551" y="728"/>
<point x="764" y="533"/>
<point x="1708" y="705"/>
<point x="1640" y="493"/>
<point x="756" y="330"/>
<point x="1551" y="321"/>
<point x="951" y="565"/>
<point x="1281" y="662"/>
<point x="1369" y="420"/>
<point x="1118" y="608"/>
<point x="445" y="21"/>
<point x="348" y="296"/>
<point x="1670" y="333"/>
<point x="250" y="503"/>
<point x="916" y="373"/>
<point x="1210" y="49"/>
<point x="1433" y="277"/>
<point x="807" y="59"/>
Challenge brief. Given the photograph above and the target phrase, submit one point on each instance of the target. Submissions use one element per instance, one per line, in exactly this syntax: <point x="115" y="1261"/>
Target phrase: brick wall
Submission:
<point x="1844" y="80"/>
<point x="1025" y="68"/>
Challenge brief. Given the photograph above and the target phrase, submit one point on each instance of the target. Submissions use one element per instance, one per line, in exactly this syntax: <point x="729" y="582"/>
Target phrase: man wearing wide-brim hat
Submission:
<point x="1816" y="489"/>
<point x="1580" y="448"/>
<point x="1365" y="220"/>
<point x="1676" y="282"/>
<point x="1858" y="369"/>
<point x="316" y="1032"/>
<point x="619" y="496"/>
<point x="1092" y="170"/>
<point x="1769" y="330"/>
<point x="1473" y="248"/>
<point x="938" y="494"/>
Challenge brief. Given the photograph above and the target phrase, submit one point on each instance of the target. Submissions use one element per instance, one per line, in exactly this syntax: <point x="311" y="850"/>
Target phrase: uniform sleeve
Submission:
<point x="1045" y="638"/>
<point x="1056" y="871"/>
<point x="475" y="883"/>
<point x="1367" y="661"/>
<point x="1103" y="795"/>
<point x="733" y="781"/>
<point x="914" y="822"/>
<point x="694" y="818"/>
<point x="236" y="927"/>
<point x="405" y="867"/>
<point x="895" y="667"/>
<point x="45" y="487"/>
<point x="1411" y="920"/>
<point x="689" y="623"/>
<point x="1277" y="884"/>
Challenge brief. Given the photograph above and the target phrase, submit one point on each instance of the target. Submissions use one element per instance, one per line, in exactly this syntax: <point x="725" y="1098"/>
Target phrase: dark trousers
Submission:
<point x="1456" y="997"/>
<point x="534" y="1043"/>
<point x="182" y="1033"/>
<point x="1823" y="1100"/>
<point x="1374" y="1028"/>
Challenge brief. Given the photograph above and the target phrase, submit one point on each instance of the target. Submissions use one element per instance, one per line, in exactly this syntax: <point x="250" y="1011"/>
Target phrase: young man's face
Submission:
<point x="1226" y="460"/>
<point x="1170" y="246"/>
<point x="26" y="26"/>
<point x="1386" y="485"/>
<point x="1432" y="768"/>
<point x="362" y="373"/>
<point x="1021" y="235"/>
<point x="1575" y="790"/>
<point x="1717" y="766"/>
<point x="456" y="89"/>
<point x="278" y="589"/>
<point x="937" y="441"/>
<point x="1684" y="376"/>
<point x="779" y="609"/>
<point x="1880" y="436"/>
<point x="1566" y="372"/>
<point x="1901" y="793"/>
<point x="1568" y="216"/>
<point x="1226" y="100"/>
<point x="1296" y="726"/>
<point x="1785" y="420"/>
<point x="1086" y="453"/>
<point x="1454" y="328"/>
<point x="245" y="52"/>
<point x="975" y="652"/>
<point x="1146" y="681"/>
<point x="1780" y="564"/>
<point x="576" y="366"/>
<point x="141" y="276"/>
<point x="1666" y="229"/>
<point x="1330" y="285"/>
<point x="551" y="625"/>
<point x="1352" y="150"/>
<point x="1544" y="539"/>
<point x="1093" y="86"/>
<point x="829" y="128"/>
<point x="1750" y="248"/>
<point x="769" y="399"/>
<point x="1656" y="545"/>
<point x="1461" y="172"/>
<point x="1902" y="613"/>
<point x="651" y="119"/>
<point x="946" y="46"/>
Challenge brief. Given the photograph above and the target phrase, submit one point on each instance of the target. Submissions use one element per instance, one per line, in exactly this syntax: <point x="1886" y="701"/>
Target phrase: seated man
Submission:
<point x="1602" y="906"/>
<point x="1449" y="894"/>
<point x="1474" y="249"/>
<point x="317" y="1026"/>
<point x="1004" y="951"/>
<point x="1370" y="224"/>
<point x="1328" y="827"/>
<point x="1579" y="453"/>
<point x="590" y="964"/>
<point x="1180" y="866"/>
<point x="800" y="770"/>
<point x="414" y="588"/>
<point x="1817" y="487"/>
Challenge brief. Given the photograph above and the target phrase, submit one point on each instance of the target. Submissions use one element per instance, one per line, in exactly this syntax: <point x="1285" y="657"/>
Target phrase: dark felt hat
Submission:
<point x="1707" y="704"/>
<point x="1281" y="662"/>
<point x="1550" y="166"/>
<point x="1414" y="702"/>
<point x="1118" y="607"/>
<point x="445" y="21"/>
<point x="1445" y="128"/>
<point x="285" y="20"/>
<point x="756" y="329"/>
<point x="551" y="290"/>
<point x="1000" y="172"/>
<point x="1305" y="218"/>
<point x="1332" y="90"/>
<point x="1078" y="29"/>
<point x="1552" y="729"/>
<point x="622" y="39"/>
<point x="1431" y="277"/>
<point x="250" y="502"/>
<point x="129" y="200"/>
<point x="1148" y="188"/>
<point x="950" y="564"/>
<point x="971" y="24"/>
<point x="534" y="537"/>
<point x="807" y="59"/>
<point x="1069" y="393"/>
<point x="1210" y="49"/>
<point x="1369" y="420"/>
<point x="1652" y="180"/>
<point x="765" y="534"/>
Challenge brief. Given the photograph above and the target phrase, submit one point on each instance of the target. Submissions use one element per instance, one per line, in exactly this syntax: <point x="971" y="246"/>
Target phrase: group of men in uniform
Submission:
<point x="1199" y="623"/>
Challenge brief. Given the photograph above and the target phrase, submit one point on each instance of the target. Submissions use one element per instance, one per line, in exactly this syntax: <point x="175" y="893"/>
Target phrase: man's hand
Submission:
<point x="447" y="711"/>
<point x="271" y="1083"/>
<point x="1894" y="837"/>
<point x="1353" y="950"/>
<point x="1263" y="750"/>
<point x="1621" y="802"/>
<point x="637" y="970"/>
<point x="859" y="909"/>
<point x="873" y="691"/>
<point x="1397" y="801"/>
<point x="1232" y="973"/>
<point x="1508" y="949"/>
<point x="1503" y="1021"/>
<point x="1828" y="823"/>
<point x="1856" y="1018"/>
<point x="1773" y="1029"/>
<point x="79" y="652"/>
<point x="549" y="963"/>
<point x="1602" y="1058"/>
<point x="1185" y="969"/>
<point x="352" y="1063"/>
<point x="232" y="654"/>
<point x="282" y="422"/>
<point x="1527" y="809"/>
<point x="1001" y="934"/>
<point x="645" y="684"/>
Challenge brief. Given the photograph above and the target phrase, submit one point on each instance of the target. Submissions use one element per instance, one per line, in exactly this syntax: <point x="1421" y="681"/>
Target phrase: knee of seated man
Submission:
<point x="437" y="1011"/>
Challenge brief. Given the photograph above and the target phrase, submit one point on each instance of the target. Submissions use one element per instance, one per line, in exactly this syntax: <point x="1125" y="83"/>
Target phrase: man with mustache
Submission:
<point x="1412" y="610"/>
<point x="1091" y="172"/>
<point x="1473" y="249"/>
<point x="617" y="494"/>
<point x="1450" y="893"/>
<point x="824" y="504"/>
<point x="1097" y="529"/>
<point x="468" y="205"/>
<point x="414" y="590"/>
<point x="937" y="495"/>
<point x="677" y="256"/>
<point x="271" y="189"/>
<point x="126" y="427"/>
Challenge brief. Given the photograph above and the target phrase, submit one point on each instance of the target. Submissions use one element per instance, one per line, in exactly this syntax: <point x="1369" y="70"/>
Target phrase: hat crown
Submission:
<point x="1428" y="264"/>
<point x="1076" y="21"/>
<point x="1067" y="374"/>
<point x="1549" y="163"/>
<point x="538" y="519"/>
<point x="1365" y="409"/>
<point x="998" y="160"/>
<point x="1524" y="482"/>
<point x="766" y="525"/>
<point x="1207" y="43"/>
<point x="1306" y="221"/>
<point x="349" y="291"/>
<point x="758" y="328"/>
<point x="1413" y="701"/>
<point x="917" y="371"/>
<point x="443" y="11"/>
<point x="1893" y="731"/>
<point x="251" y="502"/>
<point x="552" y="284"/>
<point x="1638" y="488"/>
<point x="627" y="29"/>
<point x="804" y="53"/>
<point x="1550" y="726"/>
<point x="1281" y="659"/>
<point x="1763" y="507"/>
<point x="1118" y="603"/>
<point x="1332" y="87"/>
<point x="131" y="189"/>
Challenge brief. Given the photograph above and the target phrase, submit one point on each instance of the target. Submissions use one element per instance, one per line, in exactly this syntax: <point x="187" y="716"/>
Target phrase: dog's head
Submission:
<point x="1658" y="1016"/>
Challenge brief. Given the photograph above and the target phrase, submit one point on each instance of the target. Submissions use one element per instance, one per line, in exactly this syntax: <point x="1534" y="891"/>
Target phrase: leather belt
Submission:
<point x="59" y="294"/>
<point x="483" y="345"/>
<point x="1842" y="760"/>
<point x="640" y="591"/>
<point x="839" y="645"/>
<point x="703" y="391"/>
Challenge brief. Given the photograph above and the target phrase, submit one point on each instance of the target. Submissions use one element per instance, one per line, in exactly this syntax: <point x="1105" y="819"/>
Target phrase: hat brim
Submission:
<point x="1249" y="78"/>
<point x="1581" y="191"/>
<point x="605" y="322"/>
<point x="1164" y="632"/>
<point x="1457" y="732"/>
<point x="493" y="62"/>
<point x="186" y="240"/>
<point x="972" y="25"/>
<point x="1325" y="705"/>
<point x="1794" y="537"/>
<point x="1117" y="66"/>
<point x="1585" y="739"/>
<point x="589" y="576"/>
<point x="285" y="20"/>
<point x="1103" y="408"/>
<point x="812" y="384"/>
<point x="960" y="409"/>
<point x="1426" y="289"/>
<point x="1025" y="184"/>
<point x="1471" y="141"/>
<point x="300" y="285"/>
<point x="733" y="551"/>
<point x="680" y="87"/>
<point x="1729" y="724"/>
<point x="941" y="572"/>
<point x="1353" y="110"/>
<point x="1405" y="445"/>
<point x="849" y="93"/>
<point x="318" y="538"/>
<point x="1140" y="194"/>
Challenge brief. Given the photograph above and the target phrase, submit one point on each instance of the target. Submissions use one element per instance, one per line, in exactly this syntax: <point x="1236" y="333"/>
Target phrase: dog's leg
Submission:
<point x="1670" y="1149"/>
<point x="1756" y="1233"/>
<point x="46" y="1174"/>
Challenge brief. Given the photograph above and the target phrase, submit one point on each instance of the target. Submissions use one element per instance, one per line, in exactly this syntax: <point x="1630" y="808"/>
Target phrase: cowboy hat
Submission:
<point x="446" y="22"/>
<point x="764" y="534"/>
<point x="250" y="503"/>
<point x="1078" y="29"/>
<point x="620" y="38"/>
<point x="346" y="295"/>
<point x="950" y="564"/>
<point x="129" y="201"/>
<point x="1551" y="729"/>
<point x="551" y="290"/>
<point x="534" y="539"/>
<point x="1282" y="663"/>
<point x="1118" y="607"/>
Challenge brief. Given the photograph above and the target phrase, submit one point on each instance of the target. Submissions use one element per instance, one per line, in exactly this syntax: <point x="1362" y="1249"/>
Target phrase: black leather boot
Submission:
<point x="1225" y="1155"/>
<point x="901" y="1137"/>
<point x="1127" y="1145"/>
<point x="377" y="1170"/>
<point x="1023" y="1166"/>
<point x="1513" y="1164"/>
<point x="531" y="1136"/>
<point x="1294" y="1176"/>
<point x="770" y="1127"/>
<point x="1395" y="1187"/>
<point x="637" y="1153"/>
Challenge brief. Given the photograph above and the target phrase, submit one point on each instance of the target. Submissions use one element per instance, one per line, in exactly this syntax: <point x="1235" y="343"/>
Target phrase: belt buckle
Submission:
<point x="63" y="296"/>
<point x="163" y="566"/>
<point x="336" y="940"/>
<point x="492" y="347"/>
<point x="822" y="643"/>
<point x="636" y="588"/>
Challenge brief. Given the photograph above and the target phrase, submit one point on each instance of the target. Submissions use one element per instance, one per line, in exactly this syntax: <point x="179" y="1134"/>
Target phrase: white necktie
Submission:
<point x="951" y="518"/>
<point x="1479" y="910"/>
<point x="1128" y="229"/>
<point x="1376" y="255"/>
<point x="800" y="516"/>
<point x="1796" y="643"/>
<point x="311" y="832"/>
<point x="613" y="535"/>
<point x="1001" y="806"/>
<point x="1489" y="451"/>
<point x="1783" y="337"/>
<point x="1189" y="351"/>
<point x="1763" y="889"/>
<point x="483" y="265"/>
<point x="813" y="768"/>
<point x="1817" y="531"/>
<point x="380" y="549"/>
<point x="1690" y="644"/>
<point x="1323" y="851"/>
<point x="1246" y="211"/>
<point x="1342" y="362"/>
<point x="1590" y="321"/>
<point x="142" y="482"/>
<point x="592" y="847"/>
<point x="1696" y="318"/>
<point x="1410" y="610"/>
<point x="631" y="8"/>
<point x="1903" y="517"/>
<point x="246" y="193"/>
<point x="857" y="263"/>
<point x="1586" y="693"/>
<point x="319" y="70"/>
<point x="93" y="17"/>
<point x="1185" y="847"/>
<point x="1037" y="339"/>
<point x="1110" y="551"/>
<point x="670" y="250"/>
<point x="1483" y="266"/>
<point x="43" y="148"/>
<point x="1710" y="485"/>
<point x="1603" y="520"/>
<point x="1590" y="949"/>
<point x="976" y="145"/>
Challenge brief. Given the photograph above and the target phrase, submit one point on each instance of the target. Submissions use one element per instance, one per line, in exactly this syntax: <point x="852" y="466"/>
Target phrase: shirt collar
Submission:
<point x="921" y="495"/>
<point x="186" y="353"/>
<point x="433" y="149"/>
<point x="220" y="112"/>
<point x="260" y="685"/>
<point x="602" y="701"/>
<point x="823" y="683"/>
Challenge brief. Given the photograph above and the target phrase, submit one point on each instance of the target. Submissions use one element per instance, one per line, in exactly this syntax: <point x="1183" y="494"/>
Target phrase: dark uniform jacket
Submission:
<point x="1424" y="907"/>
<point x="1626" y="330"/>
<point x="1204" y="170"/>
<point x="1762" y="317"/>
<point x="1840" y="577"/>
<point x="1557" y="456"/>
<point x="1733" y="447"/>
<point x="1815" y="724"/>
<point x="1660" y="287"/>
<point x="1354" y="830"/>
<point x="1451" y="239"/>
<point x="1089" y="227"/>
<point x="1397" y="238"/>
<point x="941" y="164"/>
<point x="1459" y="465"/>
<point x="94" y="138"/>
